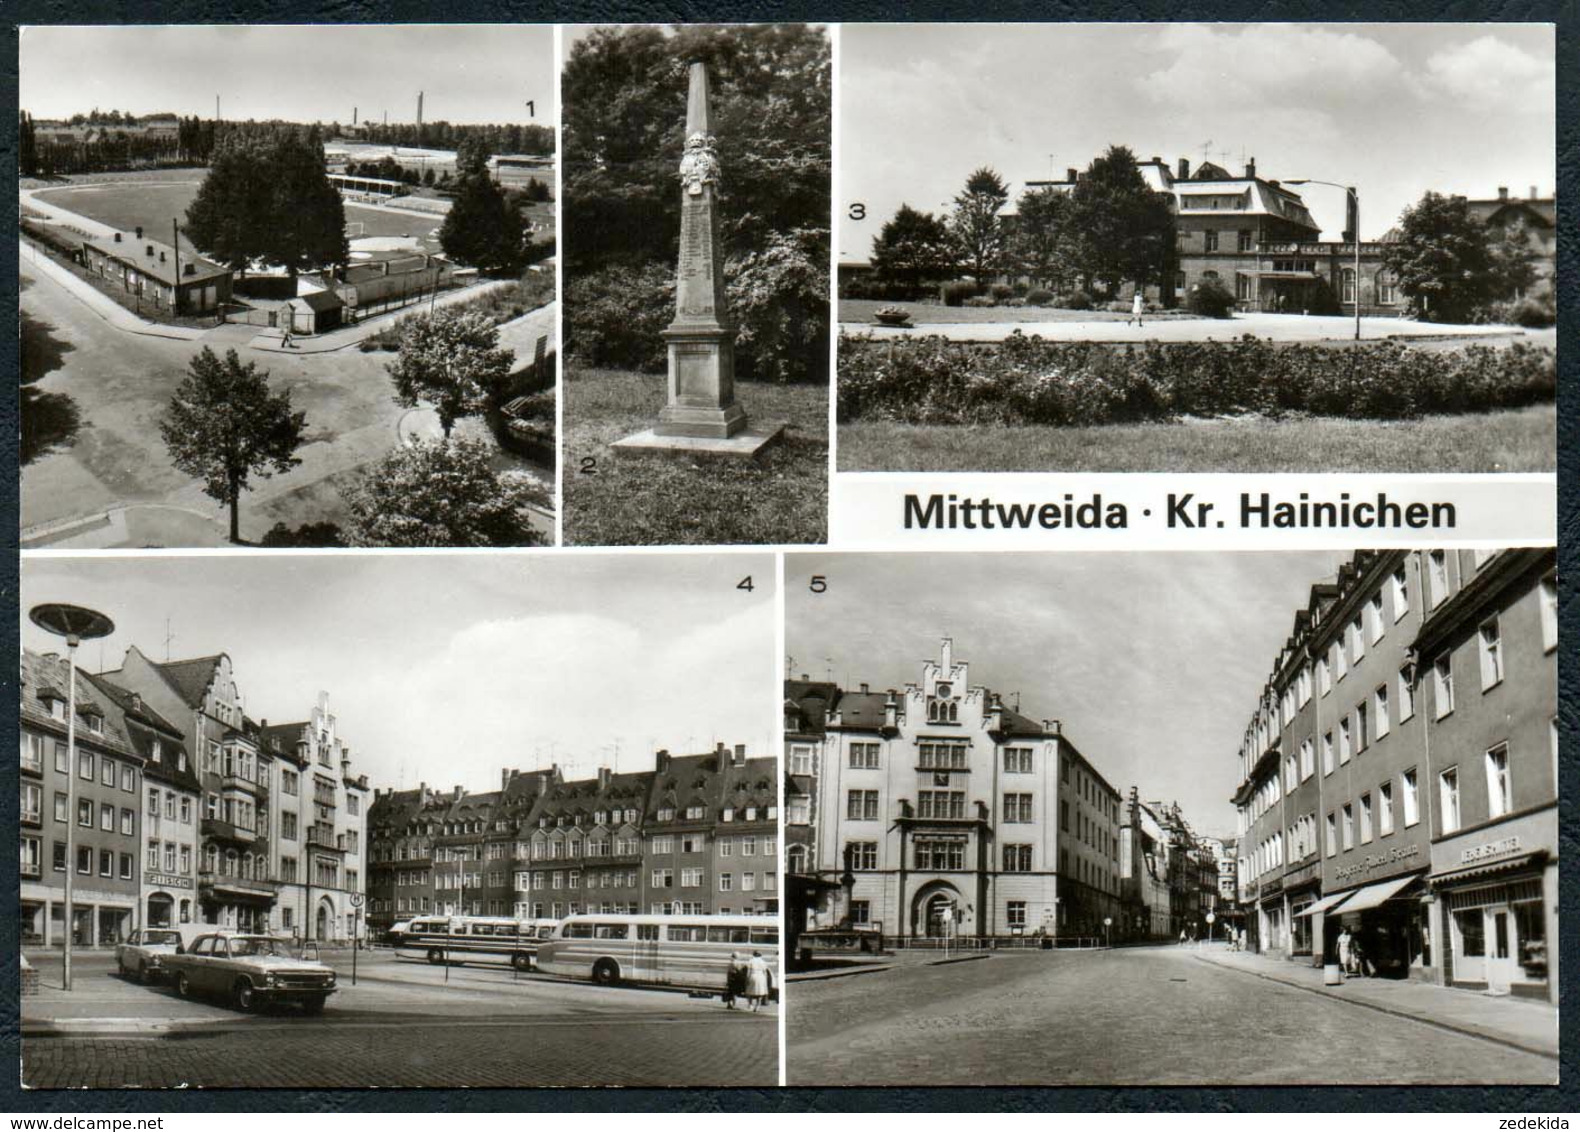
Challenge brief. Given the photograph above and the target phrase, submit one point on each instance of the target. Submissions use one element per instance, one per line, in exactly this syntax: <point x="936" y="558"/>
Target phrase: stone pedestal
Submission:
<point x="701" y="383"/>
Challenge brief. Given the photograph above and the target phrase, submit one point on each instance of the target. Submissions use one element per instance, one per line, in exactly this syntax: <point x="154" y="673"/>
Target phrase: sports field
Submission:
<point x="153" y="204"/>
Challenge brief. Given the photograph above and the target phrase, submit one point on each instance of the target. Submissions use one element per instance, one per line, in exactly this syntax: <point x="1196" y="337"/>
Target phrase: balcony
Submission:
<point x="324" y="839"/>
<point x="222" y="887"/>
<point x="227" y="831"/>
<point x="244" y="784"/>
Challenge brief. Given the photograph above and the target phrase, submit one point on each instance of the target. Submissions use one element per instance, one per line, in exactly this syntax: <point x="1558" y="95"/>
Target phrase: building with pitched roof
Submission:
<point x="1534" y="215"/>
<point x="109" y="770"/>
<point x="167" y="278"/>
<point x="955" y="815"/>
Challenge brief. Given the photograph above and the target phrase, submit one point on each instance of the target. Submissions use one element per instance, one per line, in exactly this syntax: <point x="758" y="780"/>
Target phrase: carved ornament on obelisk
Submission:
<point x="702" y="337"/>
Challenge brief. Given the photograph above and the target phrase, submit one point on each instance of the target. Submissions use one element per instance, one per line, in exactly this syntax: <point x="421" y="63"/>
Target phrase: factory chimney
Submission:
<point x="419" y="109"/>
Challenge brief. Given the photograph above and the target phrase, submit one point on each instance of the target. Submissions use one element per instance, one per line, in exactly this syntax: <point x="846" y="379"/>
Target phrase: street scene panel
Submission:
<point x="533" y="837"/>
<point x="697" y="166"/>
<point x="1266" y="247"/>
<point x="341" y="237"/>
<point x="1185" y="798"/>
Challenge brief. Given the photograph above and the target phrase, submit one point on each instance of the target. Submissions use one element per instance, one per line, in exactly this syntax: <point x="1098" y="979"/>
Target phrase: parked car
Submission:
<point x="145" y="953"/>
<point x="250" y="970"/>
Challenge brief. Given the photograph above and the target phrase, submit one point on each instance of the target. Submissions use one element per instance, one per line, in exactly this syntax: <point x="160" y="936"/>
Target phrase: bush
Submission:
<point x="1077" y="301"/>
<point x="308" y="534"/>
<point x="869" y="286"/>
<point x="1118" y="306"/>
<point x="1020" y="287"/>
<point x="1533" y="313"/>
<point x="613" y="316"/>
<point x="1210" y="299"/>
<point x="1001" y="291"/>
<point x="1039" y="297"/>
<point x="1028" y="380"/>
<point x="955" y="294"/>
<point x="981" y="301"/>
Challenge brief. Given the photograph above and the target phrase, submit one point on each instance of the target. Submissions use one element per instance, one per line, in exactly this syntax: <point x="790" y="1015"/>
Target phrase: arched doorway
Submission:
<point x="160" y="909"/>
<point x="937" y="915"/>
<point x="928" y="907"/>
<point x="326" y="921"/>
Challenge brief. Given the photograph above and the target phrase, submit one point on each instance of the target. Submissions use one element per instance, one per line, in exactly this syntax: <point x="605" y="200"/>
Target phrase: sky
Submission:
<point x="1153" y="663"/>
<point x="445" y="668"/>
<point x="476" y="74"/>
<point x="1393" y="109"/>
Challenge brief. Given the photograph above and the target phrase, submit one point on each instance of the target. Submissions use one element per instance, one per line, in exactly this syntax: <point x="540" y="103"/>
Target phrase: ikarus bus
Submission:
<point x="684" y="951"/>
<point x="471" y="939"/>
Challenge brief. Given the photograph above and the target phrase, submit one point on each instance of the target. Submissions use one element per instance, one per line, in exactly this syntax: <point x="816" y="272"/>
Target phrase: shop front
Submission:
<point x="1272" y="928"/>
<point x="1498" y="896"/>
<point x="1387" y="926"/>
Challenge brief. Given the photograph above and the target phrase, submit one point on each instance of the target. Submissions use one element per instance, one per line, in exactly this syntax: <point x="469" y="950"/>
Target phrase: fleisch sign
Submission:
<point x="1490" y="849"/>
<point x="164" y="880"/>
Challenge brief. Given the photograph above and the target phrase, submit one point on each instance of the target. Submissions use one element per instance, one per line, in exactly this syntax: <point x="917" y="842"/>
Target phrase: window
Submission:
<point x="1366" y="818"/>
<point x="799" y="810"/>
<point x="1472" y="929"/>
<point x="1211" y="236"/>
<point x="861" y="911"/>
<point x="1375" y="627"/>
<point x="863" y="756"/>
<point x="62" y="811"/>
<point x="32" y="802"/>
<point x="85" y="765"/>
<point x="1348" y="276"/>
<point x="128" y="822"/>
<point x="32" y="857"/>
<point x="1362" y="736"/>
<point x="1017" y="807"/>
<point x="85" y="813"/>
<point x="1549" y="614"/>
<point x="106" y="862"/>
<point x="1349" y="826"/>
<point x="1437" y="573"/>
<point x="1308" y="759"/>
<point x="1500" y="799"/>
<point x="1380" y="710"/>
<point x="1491" y="643"/>
<point x="932" y="854"/>
<point x="126" y="866"/>
<point x="1017" y="760"/>
<point x="689" y="878"/>
<point x="1341" y="664"/>
<point x="748" y="882"/>
<point x="666" y="813"/>
<point x="288" y="825"/>
<point x="1324" y="676"/>
<point x="726" y="882"/>
<point x="941" y="804"/>
<point x="800" y="763"/>
<point x="662" y="878"/>
<point x="1385" y="809"/>
<point x="1399" y="588"/>
<point x="862" y="805"/>
<point x="1443" y="684"/>
<point x="862" y="855"/>
<point x="1244" y="243"/>
<point x="106" y="771"/>
<point x="1015" y="914"/>
<point x="1448" y="798"/>
<point x="1357" y="639"/>
<point x="1017" y="858"/>
<point x="943" y="756"/>
<point x="695" y="813"/>
<point x="129" y="778"/>
<point x="62" y="766"/>
<point x="1327" y="753"/>
<point x="1344" y="741"/>
<point x="748" y="846"/>
<point x="84" y="861"/>
<point x="1410" y="796"/>
<point x="1333" y="835"/>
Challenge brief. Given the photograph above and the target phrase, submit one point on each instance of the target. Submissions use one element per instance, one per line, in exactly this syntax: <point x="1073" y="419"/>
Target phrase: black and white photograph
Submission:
<point x="696" y="185"/>
<point x="287" y="286"/>
<point x="286" y="824"/>
<point x="1210" y="248"/>
<point x="1265" y="818"/>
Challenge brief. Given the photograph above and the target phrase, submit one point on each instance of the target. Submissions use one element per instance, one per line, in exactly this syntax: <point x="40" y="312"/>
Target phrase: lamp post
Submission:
<point x="1353" y="198"/>
<point x="76" y="624"/>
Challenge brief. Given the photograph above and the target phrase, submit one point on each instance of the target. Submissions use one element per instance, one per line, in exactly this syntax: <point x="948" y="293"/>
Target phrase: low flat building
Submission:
<point x="165" y="278"/>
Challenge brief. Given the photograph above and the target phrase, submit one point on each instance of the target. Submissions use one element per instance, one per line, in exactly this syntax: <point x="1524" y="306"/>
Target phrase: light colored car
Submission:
<point x="250" y="970"/>
<point x="146" y="951"/>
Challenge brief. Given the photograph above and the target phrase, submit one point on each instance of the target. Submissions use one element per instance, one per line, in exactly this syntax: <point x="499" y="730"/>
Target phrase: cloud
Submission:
<point x="1489" y="74"/>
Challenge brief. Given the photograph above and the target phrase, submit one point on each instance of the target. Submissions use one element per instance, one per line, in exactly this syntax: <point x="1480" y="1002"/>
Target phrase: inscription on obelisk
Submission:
<point x="702" y="337"/>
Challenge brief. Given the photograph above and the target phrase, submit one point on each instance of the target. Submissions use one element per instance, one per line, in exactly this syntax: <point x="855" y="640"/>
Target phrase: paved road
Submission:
<point x="402" y="1025"/>
<point x="113" y="387"/>
<point x="1151" y="1016"/>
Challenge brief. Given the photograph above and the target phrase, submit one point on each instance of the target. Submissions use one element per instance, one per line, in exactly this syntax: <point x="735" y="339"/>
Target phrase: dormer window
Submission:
<point x="694" y="813"/>
<point x="95" y="722"/>
<point x="751" y="813"/>
<point x="667" y="813"/>
<point x="728" y="814"/>
<point x="55" y="706"/>
<point x="155" y="751"/>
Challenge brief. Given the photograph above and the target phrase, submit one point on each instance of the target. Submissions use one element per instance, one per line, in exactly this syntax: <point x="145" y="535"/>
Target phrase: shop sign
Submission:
<point x="1491" y="849"/>
<point x="1367" y="864"/>
<point x="162" y="880"/>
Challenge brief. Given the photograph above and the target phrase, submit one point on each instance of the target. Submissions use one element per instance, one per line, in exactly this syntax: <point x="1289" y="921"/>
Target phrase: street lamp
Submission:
<point x="76" y="624"/>
<point x="1354" y="199"/>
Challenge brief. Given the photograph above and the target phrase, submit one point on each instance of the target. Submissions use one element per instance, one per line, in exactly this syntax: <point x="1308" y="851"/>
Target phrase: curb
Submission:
<point x="1452" y="1027"/>
<point x="842" y="973"/>
<point x="957" y="959"/>
<point x="125" y="1027"/>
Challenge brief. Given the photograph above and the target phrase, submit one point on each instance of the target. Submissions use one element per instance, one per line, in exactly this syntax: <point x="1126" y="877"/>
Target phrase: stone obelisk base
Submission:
<point x="702" y="415"/>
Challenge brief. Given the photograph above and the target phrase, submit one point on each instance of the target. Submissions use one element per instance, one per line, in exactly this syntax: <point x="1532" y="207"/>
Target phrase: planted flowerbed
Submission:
<point x="1029" y="380"/>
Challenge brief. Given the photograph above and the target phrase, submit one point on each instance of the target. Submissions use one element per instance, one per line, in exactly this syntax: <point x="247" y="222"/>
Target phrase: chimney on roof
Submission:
<point x="1051" y="727"/>
<point x="1533" y="192"/>
<point x="504" y="779"/>
<point x="117" y="237"/>
<point x="605" y="776"/>
<point x="995" y="721"/>
<point x="1250" y="170"/>
<point x="891" y="711"/>
<point x="139" y="231"/>
<point x="189" y="269"/>
<point x="1503" y="192"/>
<point x="806" y="676"/>
<point x="1155" y="160"/>
<point x="1184" y="169"/>
<point x="150" y="249"/>
<point x="661" y="761"/>
<point x="459" y="790"/>
<point x="740" y="753"/>
<point x="1070" y="174"/>
<point x="864" y="689"/>
<point x="161" y="257"/>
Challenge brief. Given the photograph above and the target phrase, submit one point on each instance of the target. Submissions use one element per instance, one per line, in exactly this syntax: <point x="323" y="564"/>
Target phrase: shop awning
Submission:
<point x="1326" y="904"/>
<point x="1374" y="895"/>
<point x="1507" y="865"/>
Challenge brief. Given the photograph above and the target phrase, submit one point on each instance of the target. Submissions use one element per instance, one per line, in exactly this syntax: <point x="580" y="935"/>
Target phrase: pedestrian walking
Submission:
<point x="285" y="339"/>
<point x="1137" y="305"/>
<point x="1183" y="937"/>
<point x="735" y="980"/>
<point x="757" y="980"/>
<point x="1346" y="951"/>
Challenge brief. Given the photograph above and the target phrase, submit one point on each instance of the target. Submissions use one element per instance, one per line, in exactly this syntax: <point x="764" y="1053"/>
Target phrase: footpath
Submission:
<point x="1520" y="1023"/>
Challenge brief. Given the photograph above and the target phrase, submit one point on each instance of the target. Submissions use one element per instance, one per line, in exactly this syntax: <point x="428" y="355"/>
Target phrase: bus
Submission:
<point x="471" y="939"/>
<point x="682" y="951"/>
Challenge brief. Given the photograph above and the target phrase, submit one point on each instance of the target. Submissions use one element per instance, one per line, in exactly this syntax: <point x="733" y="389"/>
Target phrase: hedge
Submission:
<point x="1029" y="380"/>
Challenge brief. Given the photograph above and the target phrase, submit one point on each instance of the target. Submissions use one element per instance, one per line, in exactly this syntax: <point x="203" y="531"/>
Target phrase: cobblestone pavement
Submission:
<point x="1137" y="1016"/>
<point x="402" y="1025"/>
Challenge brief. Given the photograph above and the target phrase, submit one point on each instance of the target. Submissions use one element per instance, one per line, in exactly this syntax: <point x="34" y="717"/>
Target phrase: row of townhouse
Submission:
<point x="1168" y="872"/>
<point x="187" y="810"/>
<point x="939" y="811"/>
<point x="1399" y="776"/>
<point x="697" y="834"/>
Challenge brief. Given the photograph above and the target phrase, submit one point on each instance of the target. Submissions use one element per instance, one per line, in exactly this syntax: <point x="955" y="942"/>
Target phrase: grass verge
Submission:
<point x="1508" y="440"/>
<point x="647" y="499"/>
<point x="863" y="311"/>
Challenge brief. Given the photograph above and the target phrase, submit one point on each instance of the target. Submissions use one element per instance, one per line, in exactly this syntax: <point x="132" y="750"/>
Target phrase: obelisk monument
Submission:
<point x="702" y="410"/>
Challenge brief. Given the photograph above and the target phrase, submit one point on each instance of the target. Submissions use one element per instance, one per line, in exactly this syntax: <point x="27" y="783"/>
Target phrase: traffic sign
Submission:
<point x="356" y="899"/>
<point x="1107" y="920"/>
<point x="1212" y="917"/>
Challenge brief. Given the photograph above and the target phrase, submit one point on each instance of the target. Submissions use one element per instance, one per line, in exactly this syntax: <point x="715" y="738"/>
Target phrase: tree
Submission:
<point x="26" y="144"/>
<point x="306" y="226"/>
<point x="1443" y="258"/>
<point x="1120" y="228"/>
<point x="481" y="228"/>
<point x="1513" y="259"/>
<point x="1042" y="245"/>
<point x="225" y="426"/>
<point x="228" y="216"/>
<point x="913" y="249"/>
<point x="978" y="229"/>
<point x="452" y="360"/>
<point x="440" y="493"/>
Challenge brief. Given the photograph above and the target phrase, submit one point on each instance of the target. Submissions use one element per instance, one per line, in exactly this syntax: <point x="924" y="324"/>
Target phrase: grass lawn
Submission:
<point x="650" y="499"/>
<point x="862" y="311"/>
<point x="1515" y="440"/>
